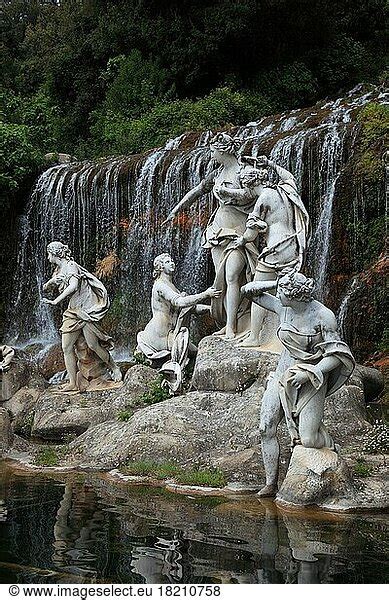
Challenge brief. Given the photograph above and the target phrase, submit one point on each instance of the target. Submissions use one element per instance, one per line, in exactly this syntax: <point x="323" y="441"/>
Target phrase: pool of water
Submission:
<point x="81" y="529"/>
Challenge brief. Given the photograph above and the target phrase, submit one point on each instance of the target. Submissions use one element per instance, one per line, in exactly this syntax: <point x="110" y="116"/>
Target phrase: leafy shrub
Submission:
<point x="156" y="393"/>
<point x="116" y="133"/>
<point x="125" y="415"/>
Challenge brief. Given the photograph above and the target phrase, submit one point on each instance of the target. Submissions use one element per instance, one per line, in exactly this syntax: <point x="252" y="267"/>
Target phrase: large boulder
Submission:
<point x="6" y="435"/>
<point x="50" y="360"/>
<point x="21" y="370"/>
<point x="314" y="476"/>
<point x="21" y="408"/>
<point x="198" y="429"/>
<point x="58" y="414"/>
<point x="223" y="366"/>
<point x="209" y="429"/>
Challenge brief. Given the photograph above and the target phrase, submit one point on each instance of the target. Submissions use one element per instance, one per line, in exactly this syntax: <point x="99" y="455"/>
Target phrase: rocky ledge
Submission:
<point x="214" y="425"/>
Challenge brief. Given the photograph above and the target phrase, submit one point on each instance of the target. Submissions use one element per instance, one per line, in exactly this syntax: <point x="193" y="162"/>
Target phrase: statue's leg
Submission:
<point x="94" y="344"/>
<point x="257" y="314"/>
<point x="69" y="354"/>
<point x="234" y="266"/>
<point x="217" y="254"/>
<point x="310" y="419"/>
<point x="271" y="415"/>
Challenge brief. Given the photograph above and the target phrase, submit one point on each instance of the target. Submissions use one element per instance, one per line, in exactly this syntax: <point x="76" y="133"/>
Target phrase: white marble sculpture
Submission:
<point x="280" y="218"/>
<point x="234" y="266"/>
<point x="166" y="337"/>
<point x="88" y="304"/>
<point x="315" y="363"/>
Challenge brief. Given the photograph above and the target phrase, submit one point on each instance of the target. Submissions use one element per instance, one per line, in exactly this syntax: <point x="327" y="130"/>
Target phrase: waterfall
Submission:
<point x="343" y="308"/>
<point x="118" y="206"/>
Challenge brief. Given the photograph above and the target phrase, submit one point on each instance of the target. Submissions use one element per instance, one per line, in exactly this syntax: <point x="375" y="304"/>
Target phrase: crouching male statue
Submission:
<point x="315" y="363"/>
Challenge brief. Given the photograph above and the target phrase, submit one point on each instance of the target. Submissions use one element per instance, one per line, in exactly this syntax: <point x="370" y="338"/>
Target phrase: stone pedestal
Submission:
<point x="223" y="366"/>
<point x="314" y="476"/>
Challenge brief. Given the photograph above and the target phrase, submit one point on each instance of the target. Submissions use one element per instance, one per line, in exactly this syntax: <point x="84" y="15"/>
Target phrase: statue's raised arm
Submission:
<point x="190" y="197"/>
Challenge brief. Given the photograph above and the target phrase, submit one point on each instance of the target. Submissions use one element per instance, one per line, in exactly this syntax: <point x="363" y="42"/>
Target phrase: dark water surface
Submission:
<point x="79" y="528"/>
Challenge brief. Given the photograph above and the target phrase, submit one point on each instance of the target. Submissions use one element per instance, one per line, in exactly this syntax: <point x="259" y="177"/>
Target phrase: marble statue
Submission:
<point x="233" y="265"/>
<point x="88" y="304"/>
<point x="315" y="363"/>
<point x="166" y="337"/>
<point x="280" y="218"/>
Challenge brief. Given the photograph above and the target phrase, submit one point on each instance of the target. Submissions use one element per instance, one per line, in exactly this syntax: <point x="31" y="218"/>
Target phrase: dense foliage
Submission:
<point x="126" y="74"/>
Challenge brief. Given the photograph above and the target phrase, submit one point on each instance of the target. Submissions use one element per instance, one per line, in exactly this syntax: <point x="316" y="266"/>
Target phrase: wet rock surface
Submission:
<point x="314" y="475"/>
<point x="6" y="435"/>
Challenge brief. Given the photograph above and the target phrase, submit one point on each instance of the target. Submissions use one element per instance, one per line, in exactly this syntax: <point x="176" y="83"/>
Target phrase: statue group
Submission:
<point x="258" y="238"/>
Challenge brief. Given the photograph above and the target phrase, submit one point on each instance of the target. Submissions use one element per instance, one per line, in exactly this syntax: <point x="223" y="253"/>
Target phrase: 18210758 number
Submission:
<point x="192" y="591"/>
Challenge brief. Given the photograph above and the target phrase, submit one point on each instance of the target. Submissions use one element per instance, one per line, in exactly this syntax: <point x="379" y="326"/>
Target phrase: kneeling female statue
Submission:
<point x="315" y="363"/>
<point x="88" y="303"/>
<point x="166" y="337"/>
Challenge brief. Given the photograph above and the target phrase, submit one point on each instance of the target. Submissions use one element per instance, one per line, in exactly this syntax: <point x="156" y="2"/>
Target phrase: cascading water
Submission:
<point x="117" y="207"/>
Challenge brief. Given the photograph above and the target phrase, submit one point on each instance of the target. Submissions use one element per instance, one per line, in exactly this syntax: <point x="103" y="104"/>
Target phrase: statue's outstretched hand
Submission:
<point x="169" y="218"/>
<point x="213" y="292"/>
<point x="47" y="301"/>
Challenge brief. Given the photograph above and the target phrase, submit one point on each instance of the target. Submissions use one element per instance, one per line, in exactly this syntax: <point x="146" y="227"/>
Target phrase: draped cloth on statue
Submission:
<point x="231" y="211"/>
<point x="307" y="351"/>
<point x="87" y="305"/>
<point x="288" y="252"/>
<point x="289" y="193"/>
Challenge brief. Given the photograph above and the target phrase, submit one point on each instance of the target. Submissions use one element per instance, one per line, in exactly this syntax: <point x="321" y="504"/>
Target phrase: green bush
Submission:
<point x="125" y="415"/>
<point x="362" y="468"/>
<point x="115" y="133"/>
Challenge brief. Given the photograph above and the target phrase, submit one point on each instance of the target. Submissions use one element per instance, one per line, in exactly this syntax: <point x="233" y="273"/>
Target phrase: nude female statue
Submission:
<point x="281" y="218"/>
<point x="155" y="341"/>
<point x="166" y="335"/>
<point x="314" y="363"/>
<point x="233" y="266"/>
<point x="88" y="303"/>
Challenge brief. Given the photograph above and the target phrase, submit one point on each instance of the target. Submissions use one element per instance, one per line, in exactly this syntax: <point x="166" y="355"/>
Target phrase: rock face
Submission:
<point x="6" y="435"/>
<point x="209" y="429"/>
<point x="53" y="415"/>
<point x="198" y="429"/>
<point x="314" y="476"/>
<point x="203" y="428"/>
<point x="223" y="366"/>
<point x="21" y="371"/>
<point x="51" y="361"/>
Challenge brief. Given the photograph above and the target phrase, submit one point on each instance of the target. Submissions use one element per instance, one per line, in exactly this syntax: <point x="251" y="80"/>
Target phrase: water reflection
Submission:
<point x="81" y="529"/>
